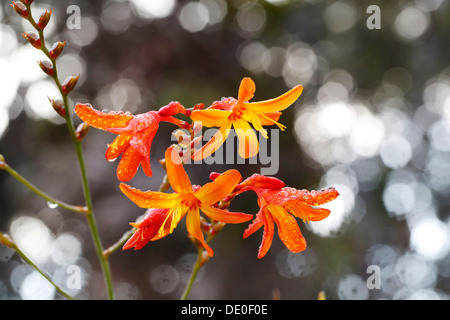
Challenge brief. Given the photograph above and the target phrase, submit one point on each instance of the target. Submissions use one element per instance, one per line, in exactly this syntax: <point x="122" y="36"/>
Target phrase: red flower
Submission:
<point x="187" y="200"/>
<point x="136" y="133"/>
<point x="147" y="229"/>
<point x="276" y="202"/>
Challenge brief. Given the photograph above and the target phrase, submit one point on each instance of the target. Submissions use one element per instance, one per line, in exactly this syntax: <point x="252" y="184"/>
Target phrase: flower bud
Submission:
<point x="56" y="49"/>
<point x="6" y="240"/>
<point x="43" y="20"/>
<point x="171" y="109"/>
<point x="2" y="161"/>
<point x="69" y="84"/>
<point x="33" y="39"/>
<point x="58" y="106"/>
<point x="197" y="127"/>
<point x="27" y="2"/>
<point x="213" y="175"/>
<point x="21" y="9"/>
<point x="196" y="141"/>
<point x="81" y="131"/>
<point x="47" y="67"/>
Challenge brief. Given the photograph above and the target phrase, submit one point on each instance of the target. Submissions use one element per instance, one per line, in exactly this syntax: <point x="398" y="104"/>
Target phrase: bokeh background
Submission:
<point x="373" y="121"/>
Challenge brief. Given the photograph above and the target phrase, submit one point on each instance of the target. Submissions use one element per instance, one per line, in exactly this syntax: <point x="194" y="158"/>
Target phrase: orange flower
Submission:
<point x="187" y="200"/>
<point x="238" y="113"/>
<point x="275" y="201"/>
<point x="136" y="133"/>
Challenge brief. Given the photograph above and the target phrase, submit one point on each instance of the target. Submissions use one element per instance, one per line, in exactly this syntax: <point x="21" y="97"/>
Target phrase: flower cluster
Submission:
<point x="278" y="204"/>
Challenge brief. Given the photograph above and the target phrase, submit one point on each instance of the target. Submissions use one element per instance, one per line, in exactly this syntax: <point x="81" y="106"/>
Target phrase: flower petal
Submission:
<point x="118" y="145"/>
<point x="276" y="104"/>
<point x="146" y="229"/>
<point x="220" y="188"/>
<point x="210" y="117"/>
<point x="288" y="229"/>
<point x="269" y="229"/>
<point x="128" y="164"/>
<point x="150" y="199"/>
<point x="101" y="120"/>
<point x="306" y="212"/>
<point x="212" y="145"/>
<point x="223" y="215"/>
<point x="260" y="181"/>
<point x="246" y="90"/>
<point x="176" y="174"/>
<point x="193" y="227"/>
<point x="256" y="224"/>
<point x="136" y="240"/>
<point x="248" y="142"/>
<point x="269" y="118"/>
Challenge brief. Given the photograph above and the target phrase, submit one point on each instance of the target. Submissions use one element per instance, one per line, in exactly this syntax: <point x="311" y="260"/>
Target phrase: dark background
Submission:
<point x="373" y="121"/>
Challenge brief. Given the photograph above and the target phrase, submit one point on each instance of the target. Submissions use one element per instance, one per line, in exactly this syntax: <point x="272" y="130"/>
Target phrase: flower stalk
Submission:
<point x="7" y="241"/>
<point x="38" y="41"/>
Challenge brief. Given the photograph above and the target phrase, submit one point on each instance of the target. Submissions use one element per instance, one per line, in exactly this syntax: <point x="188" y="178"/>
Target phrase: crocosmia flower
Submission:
<point x="136" y="133"/>
<point x="186" y="200"/>
<point x="280" y="205"/>
<point x="238" y="113"/>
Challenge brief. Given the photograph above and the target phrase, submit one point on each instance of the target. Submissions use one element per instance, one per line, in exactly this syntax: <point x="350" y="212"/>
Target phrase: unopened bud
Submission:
<point x="44" y="18"/>
<point x="196" y="141"/>
<point x="6" y="240"/>
<point x="205" y="258"/>
<point x="81" y="131"/>
<point x="216" y="227"/>
<point x="21" y="9"/>
<point x="2" y="161"/>
<point x="58" y="106"/>
<point x="199" y="106"/>
<point x="33" y="39"/>
<point x="171" y="109"/>
<point x="197" y="127"/>
<point x="69" y="84"/>
<point x="47" y="67"/>
<point x="213" y="175"/>
<point x="56" y="49"/>
<point x="27" y="2"/>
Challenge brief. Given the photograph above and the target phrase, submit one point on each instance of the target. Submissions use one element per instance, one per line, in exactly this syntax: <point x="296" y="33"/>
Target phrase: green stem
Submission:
<point x="104" y="263"/>
<point x="197" y="266"/>
<point x="29" y="185"/>
<point x="199" y="263"/>
<point x="27" y="260"/>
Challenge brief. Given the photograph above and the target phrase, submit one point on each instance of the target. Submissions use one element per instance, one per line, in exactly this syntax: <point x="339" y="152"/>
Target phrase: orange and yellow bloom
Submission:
<point x="186" y="200"/>
<point x="280" y="205"/>
<point x="238" y="113"/>
<point x="136" y="133"/>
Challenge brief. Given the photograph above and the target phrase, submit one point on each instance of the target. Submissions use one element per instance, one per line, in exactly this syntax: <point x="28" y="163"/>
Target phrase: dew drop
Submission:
<point x="52" y="205"/>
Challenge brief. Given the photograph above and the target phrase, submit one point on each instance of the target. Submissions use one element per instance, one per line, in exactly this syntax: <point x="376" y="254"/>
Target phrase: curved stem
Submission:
<point x="104" y="263"/>
<point x="199" y="263"/>
<point x="8" y="242"/>
<point x="197" y="266"/>
<point x="29" y="185"/>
